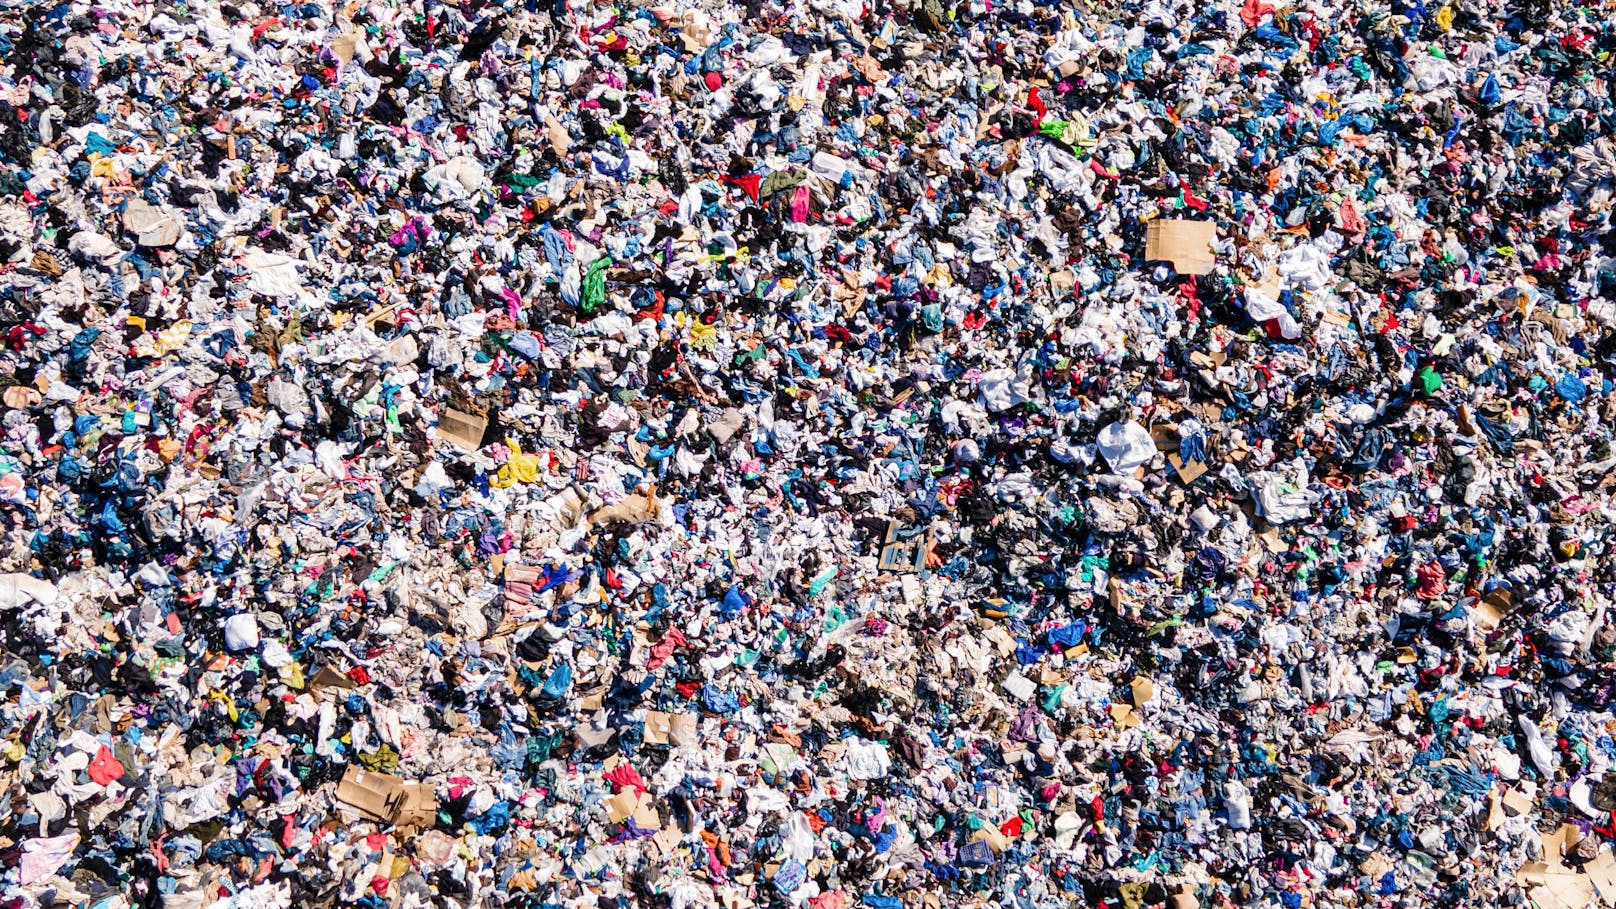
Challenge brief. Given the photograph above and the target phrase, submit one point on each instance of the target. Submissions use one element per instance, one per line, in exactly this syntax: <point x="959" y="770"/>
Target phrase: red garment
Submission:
<point x="264" y="26"/>
<point x="1433" y="581"/>
<point x="749" y="184"/>
<point x="1253" y="11"/>
<point x="624" y="776"/>
<point x="664" y="648"/>
<point x="104" y="768"/>
<point x="1037" y="104"/>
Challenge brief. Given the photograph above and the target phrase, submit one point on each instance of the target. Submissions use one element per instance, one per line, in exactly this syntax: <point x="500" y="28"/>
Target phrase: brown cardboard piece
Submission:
<point x="1143" y="690"/>
<point x="1165" y="435"/>
<point x="694" y="31"/>
<point x="420" y="805"/>
<point x="1486" y="615"/>
<point x="375" y="795"/>
<point x="328" y="678"/>
<point x="622" y="805"/>
<point x="1124" y="716"/>
<point x="1490" y="610"/>
<point x="1502" y="806"/>
<point x="1188" y="472"/>
<point x="993" y="836"/>
<point x="461" y="428"/>
<point x="666" y="840"/>
<point x="1552" y="885"/>
<point x="384" y="797"/>
<point x="677" y="729"/>
<point x="1187" y="244"/>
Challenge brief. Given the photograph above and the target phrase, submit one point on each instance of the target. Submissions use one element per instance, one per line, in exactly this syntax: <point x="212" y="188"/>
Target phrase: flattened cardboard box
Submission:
<point x="677" y="729"/>
<point x="329" y="679"/>
<point x="384" y="797"/>
<point x="420" y="806"/>
<point x="1186" y="244"/>
<point x="1550" y="884"/>
<point x="622" y="805"/>
<point x="463" y="429"/>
